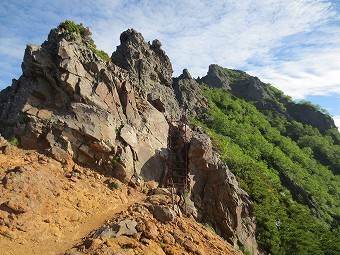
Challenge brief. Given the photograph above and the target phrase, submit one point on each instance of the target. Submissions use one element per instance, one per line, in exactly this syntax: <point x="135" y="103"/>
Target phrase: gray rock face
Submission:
<point x="189" y="94"/>
<point x="218" y="196"/>
<point x="244" y="86"/>
<point x="73" y="105"/>
<point x="216" y="78"/>
<point x="125" y="227"/>
<point x="163" y="213"/>
<point x="149" y="67"/>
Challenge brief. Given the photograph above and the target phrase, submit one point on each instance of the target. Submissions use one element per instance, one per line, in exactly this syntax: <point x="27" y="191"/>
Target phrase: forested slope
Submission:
<point x="289" y="167"/>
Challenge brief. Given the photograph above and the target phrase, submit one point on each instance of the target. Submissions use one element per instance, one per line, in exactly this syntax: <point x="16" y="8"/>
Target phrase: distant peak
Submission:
<point x="185" y="74"/>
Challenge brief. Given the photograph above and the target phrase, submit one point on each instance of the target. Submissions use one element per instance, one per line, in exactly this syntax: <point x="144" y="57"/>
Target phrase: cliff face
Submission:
<point x="115" y="116"/>
<point x="74" y="106"/>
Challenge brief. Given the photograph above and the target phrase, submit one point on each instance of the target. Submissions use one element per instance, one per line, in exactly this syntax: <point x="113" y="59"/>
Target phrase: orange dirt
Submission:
<point x="46" y="208"/>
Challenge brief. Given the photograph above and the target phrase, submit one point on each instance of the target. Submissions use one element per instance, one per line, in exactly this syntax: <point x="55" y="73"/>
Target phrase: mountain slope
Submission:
<point x="282" y="170"/>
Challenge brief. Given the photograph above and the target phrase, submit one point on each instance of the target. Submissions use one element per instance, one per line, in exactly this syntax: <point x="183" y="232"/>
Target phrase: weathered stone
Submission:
<point x="163" y="213"/>
<point x="149" y="229"/>
<point x="125" y="227"/>
<point x="123" y="241"/>
<point x="3" y="143"/>
<point x="168" y="238"/>
<point x="162" y="191"/>
<point x="189" y="94"/>
<point x="151" y="70"/>
<point x="200" y="151"/>
<point x="217" y="195"/>
<point x="129" y="135"/>
<point x="191" y="247"/>
<point x="160" y="199"/>
<point x="59" y="154"/>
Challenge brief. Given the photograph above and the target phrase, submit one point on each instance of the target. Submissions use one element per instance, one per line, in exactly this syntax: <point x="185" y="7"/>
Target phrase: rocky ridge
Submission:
<point x="114" y="117"/>
<point x="250" y="88"/>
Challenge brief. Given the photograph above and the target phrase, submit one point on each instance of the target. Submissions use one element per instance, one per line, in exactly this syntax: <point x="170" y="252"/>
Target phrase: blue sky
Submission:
<point x="292" y="44"/>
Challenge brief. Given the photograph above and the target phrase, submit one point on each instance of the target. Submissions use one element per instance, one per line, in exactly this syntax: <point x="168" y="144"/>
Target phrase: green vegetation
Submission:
<point x="115" y="159"/>
<point x="102" y="54"/>
<point x="113" y="185"/>
<point x="289" y="170"/>
<point x="210" y="227"/>
<point x="72" y="27"/>
<point x="315" y="107"/>
<point x="14" y="141"/>
<point x="84" y="33"/>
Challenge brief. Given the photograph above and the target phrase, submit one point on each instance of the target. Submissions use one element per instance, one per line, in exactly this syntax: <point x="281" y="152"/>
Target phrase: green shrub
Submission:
<point x="85" y="34"/>
<point x="116" y="159"/>
<point x="14" y="141"/>
<point x="72" y="27"/>
<point x="114" y="185"/>
<point x="102" y="54"/>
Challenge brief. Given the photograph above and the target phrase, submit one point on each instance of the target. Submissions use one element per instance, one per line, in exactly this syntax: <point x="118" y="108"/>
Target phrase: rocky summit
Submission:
<point x="118" y="157"/>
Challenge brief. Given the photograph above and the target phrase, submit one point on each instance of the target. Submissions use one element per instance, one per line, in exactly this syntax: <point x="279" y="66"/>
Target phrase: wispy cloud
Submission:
<point x="291" y="44"/>
<point x="337" y="121"/>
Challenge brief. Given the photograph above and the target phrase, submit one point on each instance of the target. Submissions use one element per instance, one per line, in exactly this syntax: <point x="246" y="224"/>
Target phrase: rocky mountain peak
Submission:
<point x="216" y="77"/>
<point x="149" y="68"/>
<point x="185" y="75"/>
<point x="135" y="55"/>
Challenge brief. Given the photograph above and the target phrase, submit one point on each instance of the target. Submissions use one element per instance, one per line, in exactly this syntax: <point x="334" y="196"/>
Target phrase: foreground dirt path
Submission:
<point x="71" y="236"/>
<point x="47" y="208"/>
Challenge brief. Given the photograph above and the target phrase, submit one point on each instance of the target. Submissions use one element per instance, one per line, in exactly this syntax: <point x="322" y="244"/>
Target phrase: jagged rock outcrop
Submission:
<point x="307" y="114"/>
<point x="150" y="68"/>
<point x="218" y="196"/>
<point x="73" y="105"/>
<point x="216" y="78"/>
<point x="189" y="94"/>
<point x="238" y="83"/>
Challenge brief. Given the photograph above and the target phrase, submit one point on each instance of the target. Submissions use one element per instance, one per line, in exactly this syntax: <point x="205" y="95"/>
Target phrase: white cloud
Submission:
<point x="337" y="121"/>
<point x="315" y="74"/>
<point x="290" y="44"/>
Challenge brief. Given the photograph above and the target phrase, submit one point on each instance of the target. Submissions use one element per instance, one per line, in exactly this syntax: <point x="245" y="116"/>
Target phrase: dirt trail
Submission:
<point x="71" y="236"/>
<point x="47" y="209"/>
